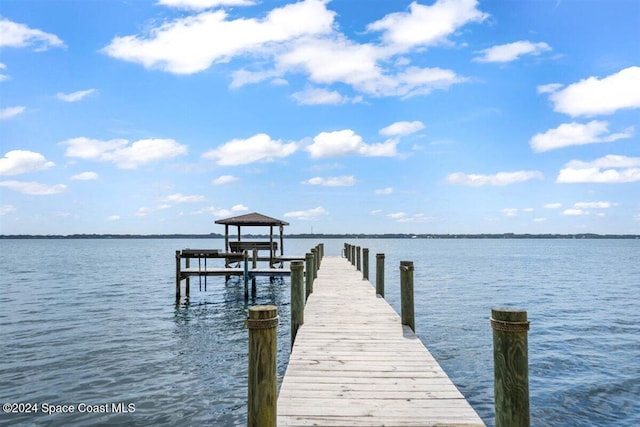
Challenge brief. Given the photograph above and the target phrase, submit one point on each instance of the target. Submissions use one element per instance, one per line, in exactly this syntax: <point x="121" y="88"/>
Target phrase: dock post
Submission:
<point x="380" y="274"/>
<point x="246" y="275"/>
<point x="345" y="250"/>
<point x="365" y="264"/>
<point x="321" y="250"/>
<point x="263" y="350"/>
<point x="314" y="252"/>
<point x="406" y="294"/>
<point x="187" y="282"/>
<point x="511" y="367"/>
<point x="297" y="298"/>
<point x="177" y="275"/>
<point x="353" y="255"/>
<point x="308" y="268"/>
<point x="358" y="259"/>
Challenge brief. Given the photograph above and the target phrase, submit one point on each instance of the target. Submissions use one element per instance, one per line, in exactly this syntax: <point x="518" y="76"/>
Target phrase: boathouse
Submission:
<point x="254" y="219"/>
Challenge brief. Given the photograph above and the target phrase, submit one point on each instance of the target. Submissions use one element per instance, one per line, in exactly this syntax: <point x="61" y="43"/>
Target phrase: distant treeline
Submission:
<point x="329" y="236"/>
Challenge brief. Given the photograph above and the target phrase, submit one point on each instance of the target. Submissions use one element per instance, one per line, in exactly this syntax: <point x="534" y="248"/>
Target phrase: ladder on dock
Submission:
<point x="354" y="364"/>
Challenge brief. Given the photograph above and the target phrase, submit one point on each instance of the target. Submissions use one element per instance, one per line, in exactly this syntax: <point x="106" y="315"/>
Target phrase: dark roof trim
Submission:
<point x="252" y="219"/>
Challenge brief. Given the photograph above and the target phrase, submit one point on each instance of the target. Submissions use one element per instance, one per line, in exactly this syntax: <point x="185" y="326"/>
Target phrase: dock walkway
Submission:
<point x="355" y="364"/>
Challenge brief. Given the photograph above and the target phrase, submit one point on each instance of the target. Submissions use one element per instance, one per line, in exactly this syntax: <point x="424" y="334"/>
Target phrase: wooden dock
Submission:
<point x="354" y="364"/>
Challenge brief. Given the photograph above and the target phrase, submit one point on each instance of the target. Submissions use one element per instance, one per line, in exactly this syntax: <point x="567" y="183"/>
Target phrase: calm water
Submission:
<point x="95" y="322"/>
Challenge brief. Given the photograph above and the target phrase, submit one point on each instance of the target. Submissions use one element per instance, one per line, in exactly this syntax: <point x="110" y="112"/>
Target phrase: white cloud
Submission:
<point x="184" y="46"/>
<point x="402" y="128"/>
<point x="499" y="179"/>
<point x="549" y="88"/>
<point x="610" y="169"/>
<point x="9" y="112"/>
<point x="539" y="219"/>
<point x="74" y="96"/>
<point x="574" y="212"/>
<point x="181" y="198"/>
<point x="553" y="205"/>
<point x="593" y="205"/>
<point x="427" y="25"/>
<point x="143" y="211"/>
<point x="509" y="211"/>
<point x="384" y="191"/>
<point x="122" y="153"/>
<point x="17" y="162"/>
<point x="308" y="214"/>
<point x="239" y="208"/>
<point x="224" y="179"/>
<point x="511" y="51"/>
<point x="345" y="142"/>
<point x="7" y="209"/>
<point x="33" y="188"/>
<point x="3" y="77"/>
<point x="20" y="35"/>
<point x="214" y="211"/>
<point x="318" y="96"/>
<point x="333" y="181"/>
<point x="204" y="4"/>
<point x="568" y="134"/>
<point x="84" y="176"/>
<point x="113" y="218"/>
<point x="593" y="96"/>
<point x="397" y="215"/>
<point x="258" y="148"/>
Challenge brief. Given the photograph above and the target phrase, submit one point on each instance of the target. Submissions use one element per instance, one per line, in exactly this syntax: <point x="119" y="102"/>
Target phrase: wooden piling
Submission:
<point x="380" y="274"/>
<point x="365" y="264"/>
<point x="314" y="252"/>
<point x="511" y="367"/>
<point x="308" y="269"/>
<point x="406" y="294"/>
<point x="353" y="255"/>
<point x="262" y="396"/>
<point x="177" y="275"/>
<point x="358" y="258"/>
<point x="297" y="298"/>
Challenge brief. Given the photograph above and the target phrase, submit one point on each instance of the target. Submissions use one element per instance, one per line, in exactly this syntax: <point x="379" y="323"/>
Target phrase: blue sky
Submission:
<point x="448" y="116"/>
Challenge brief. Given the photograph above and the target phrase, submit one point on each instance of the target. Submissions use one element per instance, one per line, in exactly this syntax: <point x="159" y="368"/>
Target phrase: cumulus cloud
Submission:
<point x="347" y="142"/>
<point x="7" y="209"/>
<point x="9" y="112"/>
<point x="84" y="176"/>
<point x="568" y="134"/>
<point x="123" y="154"/>
<point x="511" y="51"/>
<point x="74" y="96"/>
<point x="499" y="179"/>
<point x="309" y="214"/>
<point x="319" y="96"/>
<point x="181" y="198"/>
<point x="593" y="205"/>
<point x="204" y="4"/>
<point x="224" y="179"/>
<point x="33" y="188"/>
<point x="192" y="44"/>
<point x="17" y="162"/>
<point x="239" y="208"/>
<point x="574" y="212"/>
<point x="333" y="181"/>
<point x="112" y="218"/>
<point x="610" y="169"/>
<point x="426" y="25"/>
<point x="303" y="38"/>
<point x="3" y="77"/>
<point x="553" y="205"/>
<point x="509" y="211"/>
<point x="594" y="96"/>
<point x="402" y="128"/>
<point x="384" y="191"/>
<point x="258" y="148"/>
<point x="20" y="35"/>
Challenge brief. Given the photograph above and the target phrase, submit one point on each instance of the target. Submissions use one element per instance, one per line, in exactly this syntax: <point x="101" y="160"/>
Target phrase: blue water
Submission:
<point x="95" y="322"/>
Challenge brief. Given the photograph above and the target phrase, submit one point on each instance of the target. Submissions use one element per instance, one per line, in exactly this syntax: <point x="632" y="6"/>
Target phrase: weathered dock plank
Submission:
<point x="355" y="364"/>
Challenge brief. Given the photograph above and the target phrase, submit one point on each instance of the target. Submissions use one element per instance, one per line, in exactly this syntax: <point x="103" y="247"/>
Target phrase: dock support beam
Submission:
<point x="263" y="349"/>
<point x="297" y="298"/>
<point x="177" y="275"/>
<point x="406" y="294"/>
<point x="380" y="274"/>
<point x="308" y="268"/>
<point x="511" y="367"/>
<point x="365" y="264"/>
<point x="358" y="259"/>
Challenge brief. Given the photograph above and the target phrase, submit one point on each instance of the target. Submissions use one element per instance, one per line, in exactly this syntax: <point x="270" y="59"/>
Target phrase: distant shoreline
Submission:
<point x="330" y="236"/>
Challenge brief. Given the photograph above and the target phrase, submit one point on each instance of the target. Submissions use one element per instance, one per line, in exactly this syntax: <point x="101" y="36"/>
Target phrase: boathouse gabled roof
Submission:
<point x="252" y="219"/>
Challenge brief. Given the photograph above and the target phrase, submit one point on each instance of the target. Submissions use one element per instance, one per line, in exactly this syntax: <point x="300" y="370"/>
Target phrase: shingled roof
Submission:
<point x="254" y="218"/>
